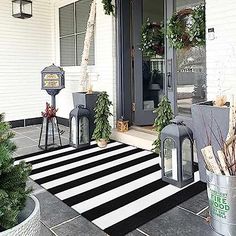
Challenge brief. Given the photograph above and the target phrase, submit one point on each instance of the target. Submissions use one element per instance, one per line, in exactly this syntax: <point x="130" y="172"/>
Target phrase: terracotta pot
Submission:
<point x="102" y="143"/>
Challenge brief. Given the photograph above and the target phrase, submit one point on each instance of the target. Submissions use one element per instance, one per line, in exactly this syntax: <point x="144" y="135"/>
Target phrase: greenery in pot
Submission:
<point x="164" y="116"/>
<point x="102" y="113"/>
<point x="13" y="190"/>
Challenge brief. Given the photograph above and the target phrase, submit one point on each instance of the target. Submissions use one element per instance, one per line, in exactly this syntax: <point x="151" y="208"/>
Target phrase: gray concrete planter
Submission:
<point x="29" y="220"/>
<point x="207" y="118"/>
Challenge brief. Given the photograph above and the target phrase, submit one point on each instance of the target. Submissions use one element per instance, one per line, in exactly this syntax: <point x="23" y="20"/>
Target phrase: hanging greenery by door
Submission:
<point x="108" y="7"/>
<point x="152" y="42"/>
<point x="186" y="28"/>
<point x="164" y="116"/>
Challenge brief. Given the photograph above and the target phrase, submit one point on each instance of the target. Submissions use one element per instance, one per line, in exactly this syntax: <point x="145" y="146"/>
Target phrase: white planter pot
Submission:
<point x="29" y="220"/>
<point x="102" y="143"/>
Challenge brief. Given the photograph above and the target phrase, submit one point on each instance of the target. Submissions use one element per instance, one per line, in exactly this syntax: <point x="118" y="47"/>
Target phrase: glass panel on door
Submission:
<point x="190" y="70"/>
<point x="153" y="61"/>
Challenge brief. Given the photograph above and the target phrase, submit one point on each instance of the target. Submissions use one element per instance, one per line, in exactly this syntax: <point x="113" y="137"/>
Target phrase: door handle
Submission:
<point x="169" y="74"/>
<point x="169" y="80"/>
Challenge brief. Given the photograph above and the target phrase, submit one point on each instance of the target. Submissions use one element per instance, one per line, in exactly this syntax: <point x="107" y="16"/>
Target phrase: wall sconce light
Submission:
<point x="22" y="9"/>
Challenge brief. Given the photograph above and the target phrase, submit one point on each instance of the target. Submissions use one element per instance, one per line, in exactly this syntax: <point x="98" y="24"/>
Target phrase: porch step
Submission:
<point x="149" y="130"/>
<point x="135" y="138"/>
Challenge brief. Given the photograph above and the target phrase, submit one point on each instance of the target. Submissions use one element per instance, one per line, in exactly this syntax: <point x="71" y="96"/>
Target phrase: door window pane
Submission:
<point x="191" y="70"/>
<point x="153" y="65"/>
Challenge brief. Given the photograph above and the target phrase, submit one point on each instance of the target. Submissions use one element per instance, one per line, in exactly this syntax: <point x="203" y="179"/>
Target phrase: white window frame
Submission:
<point x="68" y="69"/>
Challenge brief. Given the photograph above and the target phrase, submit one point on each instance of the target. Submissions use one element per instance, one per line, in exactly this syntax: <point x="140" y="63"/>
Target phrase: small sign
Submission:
<point x="211" y="30"/>
<point x="51" y="81"/>
<point x="211" y="33"/>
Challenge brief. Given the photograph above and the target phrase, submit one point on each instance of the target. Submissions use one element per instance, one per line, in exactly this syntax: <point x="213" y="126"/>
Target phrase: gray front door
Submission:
<point x="148" y="71"/>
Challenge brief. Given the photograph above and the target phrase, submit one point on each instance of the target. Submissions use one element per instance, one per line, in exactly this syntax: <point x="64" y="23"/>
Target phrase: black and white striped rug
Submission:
<point x="118" y="188"/>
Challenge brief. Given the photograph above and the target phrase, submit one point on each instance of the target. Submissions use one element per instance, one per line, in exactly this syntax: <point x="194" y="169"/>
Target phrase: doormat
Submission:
<point x="118" y="188"/>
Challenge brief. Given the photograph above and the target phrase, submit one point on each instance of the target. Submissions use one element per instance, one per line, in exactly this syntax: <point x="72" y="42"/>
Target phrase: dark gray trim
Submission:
<point x="124" y="95"/>
<point x="35" y="121"/>
<point x="63" y="121"/>
<point x="170" y="61"/>
<point x="25" y="122"/>
<point x="16" y="123"/>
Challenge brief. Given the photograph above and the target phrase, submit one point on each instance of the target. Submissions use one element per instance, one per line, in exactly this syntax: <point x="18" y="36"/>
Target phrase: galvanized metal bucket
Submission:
<point x="221" y="192"/>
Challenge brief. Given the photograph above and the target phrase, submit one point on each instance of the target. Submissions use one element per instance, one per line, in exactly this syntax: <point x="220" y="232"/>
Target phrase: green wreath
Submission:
<point x="152" y="42"/>
<point x="186" y="28"/>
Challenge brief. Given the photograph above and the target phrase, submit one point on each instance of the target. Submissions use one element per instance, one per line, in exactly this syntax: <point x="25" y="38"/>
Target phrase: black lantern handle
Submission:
<point x="177" y="121"/>
<point x="80" y="106"/>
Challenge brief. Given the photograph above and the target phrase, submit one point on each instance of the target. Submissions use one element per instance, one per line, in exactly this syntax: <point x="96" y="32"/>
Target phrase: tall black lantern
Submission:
<point x="79" y="120"/>
<point x="177" y="154"/>
<point x="22" y="8"/>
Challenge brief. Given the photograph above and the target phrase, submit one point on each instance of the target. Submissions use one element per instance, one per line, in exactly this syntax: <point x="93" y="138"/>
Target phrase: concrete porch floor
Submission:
<point x="189" y="218"/>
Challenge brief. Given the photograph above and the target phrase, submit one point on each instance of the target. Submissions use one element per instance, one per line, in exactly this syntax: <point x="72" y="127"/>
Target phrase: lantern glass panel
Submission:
<point x="187" y="159"/>
<point x="26" y="7"/>
<point x="170" y="159"/>
<point x="83" y="130"/>
<point x="73" y="130"/>
<point x="16" y="7"/>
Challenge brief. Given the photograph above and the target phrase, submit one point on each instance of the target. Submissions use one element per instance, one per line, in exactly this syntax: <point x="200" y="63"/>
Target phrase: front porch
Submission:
<point x="59" y="219"/>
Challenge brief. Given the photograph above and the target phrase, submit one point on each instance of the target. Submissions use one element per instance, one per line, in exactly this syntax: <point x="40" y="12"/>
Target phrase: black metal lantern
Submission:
<point x="79" y="120"/>
<point x="22" y="8"/>
<point x="177" y="154"/>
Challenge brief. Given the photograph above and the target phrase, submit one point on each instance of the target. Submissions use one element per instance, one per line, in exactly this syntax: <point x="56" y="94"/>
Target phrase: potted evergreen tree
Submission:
<point x="102" y="130"/>
<point x="19" y="214"/>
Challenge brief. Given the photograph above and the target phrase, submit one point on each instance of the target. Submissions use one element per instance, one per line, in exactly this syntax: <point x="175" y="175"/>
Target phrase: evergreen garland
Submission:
<point x="164" y="116"/>
<point x="102" y="113"/>
<point x="13" y="191"/>
<point x="108" y="7"/>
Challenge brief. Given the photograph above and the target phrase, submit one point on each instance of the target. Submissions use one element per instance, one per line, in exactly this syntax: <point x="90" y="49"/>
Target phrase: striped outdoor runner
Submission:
<point x="118" y="188"/>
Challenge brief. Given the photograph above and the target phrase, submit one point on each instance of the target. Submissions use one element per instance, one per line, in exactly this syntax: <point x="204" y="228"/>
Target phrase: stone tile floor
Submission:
<point x="189" y="218"/>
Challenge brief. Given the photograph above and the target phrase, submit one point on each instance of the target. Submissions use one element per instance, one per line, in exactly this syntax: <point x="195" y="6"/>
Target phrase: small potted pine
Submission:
<point x="103" y="128"/>
<point x="19" y="212"/>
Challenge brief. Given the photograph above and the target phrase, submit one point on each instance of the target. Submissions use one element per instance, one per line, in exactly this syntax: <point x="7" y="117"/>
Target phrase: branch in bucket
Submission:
<point x="224" y="160"/>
